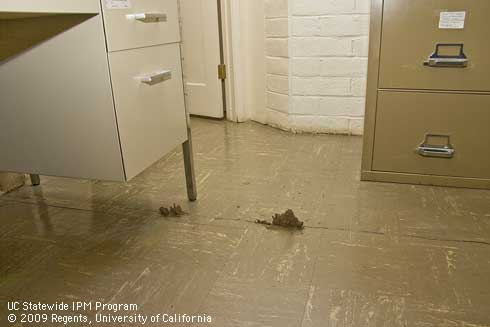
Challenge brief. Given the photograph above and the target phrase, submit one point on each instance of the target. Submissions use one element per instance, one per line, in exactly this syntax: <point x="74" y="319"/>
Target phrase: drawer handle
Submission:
<point x="148" y="17"/>
<point x="156" y="78"/>
<point x="436" y="151"/>
<point x="438" y="60"/>
<point x="447" y="62"/>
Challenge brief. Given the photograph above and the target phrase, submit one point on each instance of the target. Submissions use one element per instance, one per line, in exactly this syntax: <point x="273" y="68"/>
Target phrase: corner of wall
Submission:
<point x="316" y="65"/>
<point x="277" y="33"/>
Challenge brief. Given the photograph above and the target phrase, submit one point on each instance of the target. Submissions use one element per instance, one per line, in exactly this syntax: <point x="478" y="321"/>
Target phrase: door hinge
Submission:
<point x="222" y="71"/>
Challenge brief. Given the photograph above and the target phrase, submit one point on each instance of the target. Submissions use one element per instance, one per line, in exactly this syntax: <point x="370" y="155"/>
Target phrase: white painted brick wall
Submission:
<point x="277" y="47"/>
<point x="320" y="124"/>
<point x="318" y="86"/>
<point x="334" y="67"/>
<point x="278" y="102"/>
<point x="276" y="27"/>
<point x="276" y="8"/>
<point x="360" y="47"/>
<point x="277" y="60"/>
<point x="327" y="106"/>
<point x="358" y="87"/>
<point x="363" y="6"/>
<point x="341" y="25"/>
<point x="316" y="54"/>
<point x="277" y="66"/>
<point x="329" y="48"/>
<point x="278" y="84"/>
<point x="322" y="7"/>
<point x="320" y="46"/>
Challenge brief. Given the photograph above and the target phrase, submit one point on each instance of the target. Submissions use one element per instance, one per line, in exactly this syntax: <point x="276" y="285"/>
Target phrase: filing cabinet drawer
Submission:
<point x="149" y="101"/>
<point x="143" y="23"/>
<point x="444" y="134"/>
<point x="410" y="32"/>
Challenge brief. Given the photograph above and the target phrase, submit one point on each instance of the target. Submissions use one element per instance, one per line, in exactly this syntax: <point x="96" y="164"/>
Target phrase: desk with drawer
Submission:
<point x="96" y="92"/>
<point x="428" y="98"/>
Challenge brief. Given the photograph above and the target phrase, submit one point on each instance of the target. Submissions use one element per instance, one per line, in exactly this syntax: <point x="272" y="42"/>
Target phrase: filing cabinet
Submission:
<point x="101" y="97"/>
<point x="428" y="94"/>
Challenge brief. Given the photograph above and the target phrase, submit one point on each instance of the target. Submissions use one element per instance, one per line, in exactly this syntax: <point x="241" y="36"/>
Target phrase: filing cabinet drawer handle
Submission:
<point x="156" y="78"/>
<point x="436" y="151"/>
<point x="447" y="62"/>
<point x="148" y="17"/>
<point x="437" y="59"/>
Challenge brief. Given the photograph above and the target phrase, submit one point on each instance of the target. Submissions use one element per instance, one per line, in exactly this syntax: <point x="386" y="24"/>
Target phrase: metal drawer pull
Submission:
<point x="436" y="151"/>
<point x="148" y="17"/>
<point x="438" y="60"/>
<point x="447" y="62"/>
<point x="156" y="77"/>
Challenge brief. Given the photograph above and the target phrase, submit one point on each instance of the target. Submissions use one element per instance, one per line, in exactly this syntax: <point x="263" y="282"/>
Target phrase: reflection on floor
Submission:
<point x="371" y="254"/>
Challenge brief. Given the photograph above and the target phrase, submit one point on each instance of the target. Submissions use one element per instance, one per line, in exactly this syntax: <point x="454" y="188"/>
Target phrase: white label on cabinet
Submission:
<point x="118" y="4"/>
<point x="452" y="20"/>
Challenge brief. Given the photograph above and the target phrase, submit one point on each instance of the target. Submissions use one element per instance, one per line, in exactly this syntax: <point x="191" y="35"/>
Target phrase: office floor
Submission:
<point x="371" y="254"/>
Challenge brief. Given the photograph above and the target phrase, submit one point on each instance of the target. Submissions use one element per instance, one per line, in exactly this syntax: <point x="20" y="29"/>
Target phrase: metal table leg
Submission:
<point x="35" y="180"/>
<point x="190" y="175"/>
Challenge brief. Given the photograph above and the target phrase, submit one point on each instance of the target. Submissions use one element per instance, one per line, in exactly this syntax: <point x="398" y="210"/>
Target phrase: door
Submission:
<point x="435" y="45"/>
<point x="201" y="57"/>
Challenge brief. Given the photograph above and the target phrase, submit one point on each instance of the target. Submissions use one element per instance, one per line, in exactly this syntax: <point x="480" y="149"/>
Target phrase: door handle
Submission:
<point x="156" y="78"/>
<point x="436" y="151"/>
<point x="438" y="60"/>
<point x="148" y="17"/>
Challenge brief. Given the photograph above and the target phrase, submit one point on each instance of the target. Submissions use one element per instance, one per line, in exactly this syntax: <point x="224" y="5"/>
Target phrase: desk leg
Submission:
<point x="190" y="175"/>
<point x="35" y="180"/>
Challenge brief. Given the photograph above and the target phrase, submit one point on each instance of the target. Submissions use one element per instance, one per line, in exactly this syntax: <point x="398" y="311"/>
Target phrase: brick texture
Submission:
<point x="277" y="50"/>
<point x="316" y="54"/>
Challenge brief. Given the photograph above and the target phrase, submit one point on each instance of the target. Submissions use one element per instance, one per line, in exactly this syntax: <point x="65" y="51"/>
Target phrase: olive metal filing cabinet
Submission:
<point x="100" y="99"/>
<point x="428" y="94"/>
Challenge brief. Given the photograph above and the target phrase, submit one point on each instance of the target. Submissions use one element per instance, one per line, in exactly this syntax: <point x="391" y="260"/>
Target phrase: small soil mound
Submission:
<point x="287" y="219"/>
<point x="173" y="211"/>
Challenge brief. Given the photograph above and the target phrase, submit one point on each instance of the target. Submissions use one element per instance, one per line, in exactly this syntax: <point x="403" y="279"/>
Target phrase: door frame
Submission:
<point x="234" y="96"/>
<point x="233" y="59"/>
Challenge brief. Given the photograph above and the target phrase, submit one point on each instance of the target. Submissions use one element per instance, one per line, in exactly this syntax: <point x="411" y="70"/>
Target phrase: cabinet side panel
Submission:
<point x="57" y="114"/>
<point x="372" y="82"/>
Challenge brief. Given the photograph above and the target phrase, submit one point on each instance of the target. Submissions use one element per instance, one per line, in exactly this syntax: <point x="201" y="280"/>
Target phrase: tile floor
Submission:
<point x="371" y="254"/>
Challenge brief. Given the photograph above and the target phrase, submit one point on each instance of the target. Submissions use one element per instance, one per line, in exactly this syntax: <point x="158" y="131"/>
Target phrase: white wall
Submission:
<point x="303" y="64"/>
<point x="316" y="63"/>
<point x="277" y="38"/>
<point x="329" y="45"/>
<point x="251" y="71"/>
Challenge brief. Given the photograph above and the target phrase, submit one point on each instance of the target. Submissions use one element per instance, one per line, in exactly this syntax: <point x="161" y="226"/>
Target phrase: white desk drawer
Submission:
<point x="149" y="99"/>
<point x="143" y="23"/>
